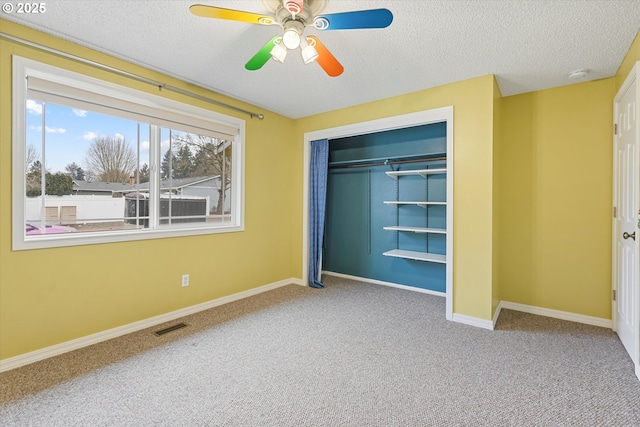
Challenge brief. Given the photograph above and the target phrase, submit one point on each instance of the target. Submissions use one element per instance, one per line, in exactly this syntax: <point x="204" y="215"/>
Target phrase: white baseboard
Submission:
<point x="473" y="321"/>
<point x="557" y="314"/>
<point x="55" y="350"/>
<point x="380" y="282"/>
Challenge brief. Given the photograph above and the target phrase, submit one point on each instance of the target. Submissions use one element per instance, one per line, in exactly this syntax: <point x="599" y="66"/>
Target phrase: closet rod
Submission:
<point x="158" y="84"/>
<point x="388" y="162"/>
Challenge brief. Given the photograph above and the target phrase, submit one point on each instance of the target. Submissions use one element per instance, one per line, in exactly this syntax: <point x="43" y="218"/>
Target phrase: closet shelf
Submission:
<point x="418" y="256"/>
<point x="422" y="172"/>
<point x="421" y="204"/>
<point x="416" y="229"/>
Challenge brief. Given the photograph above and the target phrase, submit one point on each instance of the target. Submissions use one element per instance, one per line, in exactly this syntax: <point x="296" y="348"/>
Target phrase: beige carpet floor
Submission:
<point x="352" y="354"/>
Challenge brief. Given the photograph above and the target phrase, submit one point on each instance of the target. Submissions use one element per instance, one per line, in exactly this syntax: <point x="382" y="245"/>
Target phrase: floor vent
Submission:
<point x="170" y="329"/>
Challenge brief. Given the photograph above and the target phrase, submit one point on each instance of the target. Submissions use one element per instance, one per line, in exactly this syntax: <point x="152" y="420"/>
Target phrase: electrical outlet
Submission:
<point x="185" y="280"/>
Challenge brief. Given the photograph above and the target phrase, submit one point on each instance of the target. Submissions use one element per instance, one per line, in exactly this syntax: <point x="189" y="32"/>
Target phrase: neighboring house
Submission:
<point x="201" y="186"/>
<point x="98" y="188"/>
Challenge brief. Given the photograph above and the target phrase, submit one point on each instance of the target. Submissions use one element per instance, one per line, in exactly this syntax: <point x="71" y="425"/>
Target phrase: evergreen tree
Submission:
<point x="76" y="172"/>
<point x="34" y="179"/>
<point x="167" y="163"/>
<point x="144" y="173"/>
<point x="183" y="165"/>
<point x="58" y="184"/>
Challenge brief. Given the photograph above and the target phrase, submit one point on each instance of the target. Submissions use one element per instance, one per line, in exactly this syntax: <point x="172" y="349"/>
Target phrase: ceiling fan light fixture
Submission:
<point x="278" y="52"/>
<point x="291" y="38"/>
<point x="309" y="54"/>
<point x="293" y="16"/>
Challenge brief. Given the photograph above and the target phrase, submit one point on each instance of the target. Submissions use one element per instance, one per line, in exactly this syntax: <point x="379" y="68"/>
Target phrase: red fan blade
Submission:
<point x="293" y="6"/>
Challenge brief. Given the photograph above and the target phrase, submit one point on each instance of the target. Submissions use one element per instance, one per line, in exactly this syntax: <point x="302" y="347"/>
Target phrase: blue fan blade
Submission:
<point x="374" y="18"/>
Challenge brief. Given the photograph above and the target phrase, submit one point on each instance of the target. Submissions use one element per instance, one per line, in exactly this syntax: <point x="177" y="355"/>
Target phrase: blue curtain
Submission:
<point x="318" y="170"/>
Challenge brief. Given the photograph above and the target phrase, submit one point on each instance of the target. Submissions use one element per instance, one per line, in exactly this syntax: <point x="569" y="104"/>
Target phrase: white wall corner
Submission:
<point x="557" y="314"/>
<point x="496" y="315"/>
<point x="75" y="344"/>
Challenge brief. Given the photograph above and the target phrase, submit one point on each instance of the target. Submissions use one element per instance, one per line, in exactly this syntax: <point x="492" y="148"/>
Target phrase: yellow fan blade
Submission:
<point x="230" y="14"/>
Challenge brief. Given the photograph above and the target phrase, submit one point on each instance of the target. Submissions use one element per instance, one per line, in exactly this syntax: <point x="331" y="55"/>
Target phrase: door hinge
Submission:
<point x="615" y="129"/>
<point x="615" y="212"/>
<point x="614" y="294"/>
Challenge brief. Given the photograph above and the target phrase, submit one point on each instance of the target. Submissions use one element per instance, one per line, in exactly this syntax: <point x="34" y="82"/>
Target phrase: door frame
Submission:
<point x="615" y="235"/>
<point x="437" y="115"/>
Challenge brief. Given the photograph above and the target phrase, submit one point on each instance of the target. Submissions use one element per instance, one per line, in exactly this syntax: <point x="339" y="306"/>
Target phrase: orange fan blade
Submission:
<point x="326" y="60"/>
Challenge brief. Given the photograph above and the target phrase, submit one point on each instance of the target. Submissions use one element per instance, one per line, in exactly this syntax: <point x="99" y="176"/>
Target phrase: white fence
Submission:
<point x="86" y="208"/>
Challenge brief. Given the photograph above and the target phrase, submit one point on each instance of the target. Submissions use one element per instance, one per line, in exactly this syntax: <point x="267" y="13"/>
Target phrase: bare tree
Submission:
<point x="111" y="159"/>
<point x="31" y="155"/>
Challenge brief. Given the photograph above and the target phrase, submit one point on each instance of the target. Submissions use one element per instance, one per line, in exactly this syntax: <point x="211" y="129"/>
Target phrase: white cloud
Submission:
<point x="48" y="129"/>
<point x="79" y="113"/>
<point x="54" y="130"/>
<point x="33" y="107"/>
<point x="164" y="146"/>
<point x="89" y="136"/>
<point x="119" y="136"/>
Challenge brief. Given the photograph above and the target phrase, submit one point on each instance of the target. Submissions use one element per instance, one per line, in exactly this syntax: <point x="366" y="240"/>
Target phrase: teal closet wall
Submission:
<point x="354" y="236"/>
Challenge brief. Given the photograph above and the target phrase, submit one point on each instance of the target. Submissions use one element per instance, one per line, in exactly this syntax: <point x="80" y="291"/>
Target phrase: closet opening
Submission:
<point x="389" y="202"/>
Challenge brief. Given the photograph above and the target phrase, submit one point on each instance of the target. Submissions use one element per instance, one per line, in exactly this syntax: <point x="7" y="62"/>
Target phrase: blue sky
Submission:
<point x="69" y="133"/>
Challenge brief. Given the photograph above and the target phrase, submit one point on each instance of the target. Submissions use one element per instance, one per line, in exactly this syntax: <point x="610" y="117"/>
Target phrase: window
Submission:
<point x="96" y="162"/>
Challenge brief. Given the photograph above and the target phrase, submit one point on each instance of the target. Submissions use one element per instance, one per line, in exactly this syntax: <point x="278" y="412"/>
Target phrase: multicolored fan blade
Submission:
<point x="326" y="60"/>
<point x="263" y="55"/>
<point x="374" y="18"/>
<point x="231" y="14"/>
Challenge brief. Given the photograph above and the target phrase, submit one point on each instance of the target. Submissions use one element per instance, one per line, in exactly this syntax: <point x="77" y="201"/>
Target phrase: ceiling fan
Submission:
<point x="293" y="16"/>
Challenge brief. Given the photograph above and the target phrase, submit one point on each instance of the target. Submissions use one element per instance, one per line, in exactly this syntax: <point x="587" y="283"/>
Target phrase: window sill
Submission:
<point x="54" y="241"/>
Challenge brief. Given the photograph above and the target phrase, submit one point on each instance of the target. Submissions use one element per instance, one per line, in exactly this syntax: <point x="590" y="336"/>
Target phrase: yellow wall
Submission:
<point x="556" y="169"/>
<point x="628" y="62"/>
<point x="50" y="296"/>
<point x="555" y="195"/>
<point x="473" y="102"/>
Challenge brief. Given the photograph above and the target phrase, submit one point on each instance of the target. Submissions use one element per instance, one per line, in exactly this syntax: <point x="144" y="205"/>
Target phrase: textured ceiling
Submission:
<point x="528" y="44"/>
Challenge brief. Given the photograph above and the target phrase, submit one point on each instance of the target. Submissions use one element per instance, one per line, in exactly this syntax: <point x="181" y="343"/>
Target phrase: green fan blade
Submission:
<point x="263" y="55"/>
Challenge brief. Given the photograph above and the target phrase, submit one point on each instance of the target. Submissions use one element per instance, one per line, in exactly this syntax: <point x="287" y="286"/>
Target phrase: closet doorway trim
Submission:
<point x="437" y="115"/>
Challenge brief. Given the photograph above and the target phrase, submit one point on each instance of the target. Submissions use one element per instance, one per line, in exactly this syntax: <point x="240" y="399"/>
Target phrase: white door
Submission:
<point x="626" y="234"/>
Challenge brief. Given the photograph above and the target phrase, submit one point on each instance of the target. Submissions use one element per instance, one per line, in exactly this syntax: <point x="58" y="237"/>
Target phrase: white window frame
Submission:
<point x="23" y="68"/>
